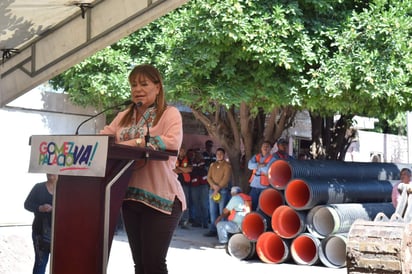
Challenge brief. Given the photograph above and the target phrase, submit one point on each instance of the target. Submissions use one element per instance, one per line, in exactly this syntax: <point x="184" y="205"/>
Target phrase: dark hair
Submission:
<point x="406" y="170"/>
<point x="267" y="142"/>
<point x="209" y="143"/>
<point x="221" y="149"/>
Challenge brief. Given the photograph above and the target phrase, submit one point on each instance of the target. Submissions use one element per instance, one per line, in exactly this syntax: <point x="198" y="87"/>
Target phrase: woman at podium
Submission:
<point x="154" y="199"/>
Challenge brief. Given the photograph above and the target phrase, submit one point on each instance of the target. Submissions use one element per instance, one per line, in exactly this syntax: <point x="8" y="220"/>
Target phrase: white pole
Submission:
<point x="409" y="134"/>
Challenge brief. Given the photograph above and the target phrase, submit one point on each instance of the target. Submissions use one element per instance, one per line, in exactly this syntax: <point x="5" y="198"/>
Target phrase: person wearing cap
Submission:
<point x="218" y="177"/>
<point x="230" y="221"/>
<point x="259" y="164"/>
<point x="282" y="152"/>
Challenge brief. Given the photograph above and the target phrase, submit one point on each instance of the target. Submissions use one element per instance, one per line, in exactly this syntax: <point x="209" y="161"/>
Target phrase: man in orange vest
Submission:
<point x="236" y="209"/>
<point x="183" y="169"/>
<point x="259" y="164"/>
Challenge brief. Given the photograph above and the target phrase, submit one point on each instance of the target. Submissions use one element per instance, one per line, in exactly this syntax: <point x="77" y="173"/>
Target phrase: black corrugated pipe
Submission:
<point x="282" y="171"/>
<point x="302" y="194"/>
<point x="324" y="220"/>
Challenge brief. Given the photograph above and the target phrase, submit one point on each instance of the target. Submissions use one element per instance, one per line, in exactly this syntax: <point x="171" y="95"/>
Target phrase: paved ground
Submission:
<point x="190" y="252"/>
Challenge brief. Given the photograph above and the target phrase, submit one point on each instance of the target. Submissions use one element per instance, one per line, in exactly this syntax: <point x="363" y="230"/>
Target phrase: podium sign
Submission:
<point x="69" y="154"/>
<point x="86" y="204"/>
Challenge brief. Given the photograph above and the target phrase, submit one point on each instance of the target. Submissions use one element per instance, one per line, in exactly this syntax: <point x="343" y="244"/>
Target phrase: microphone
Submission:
<point x="125" y="103"/>
<point x="147" y="136"/>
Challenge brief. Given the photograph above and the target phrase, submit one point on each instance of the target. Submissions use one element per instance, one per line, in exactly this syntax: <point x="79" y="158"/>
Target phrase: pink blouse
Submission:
<point x="153" y="183"/>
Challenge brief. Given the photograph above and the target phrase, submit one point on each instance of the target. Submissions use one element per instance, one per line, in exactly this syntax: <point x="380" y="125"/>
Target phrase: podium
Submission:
<point x="86" y="210"/>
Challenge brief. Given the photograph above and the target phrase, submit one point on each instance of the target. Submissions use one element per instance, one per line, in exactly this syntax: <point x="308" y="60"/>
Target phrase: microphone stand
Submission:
<point x="128" y="102"/>
<point x="147" y="136"/>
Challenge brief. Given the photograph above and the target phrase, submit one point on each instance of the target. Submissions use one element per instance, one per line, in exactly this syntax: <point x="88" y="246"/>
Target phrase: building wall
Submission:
<point x="371" y="146"/>
<point x="35" y="113"/>
<point x="380" y="147"/>
<point x="39" y="112"/>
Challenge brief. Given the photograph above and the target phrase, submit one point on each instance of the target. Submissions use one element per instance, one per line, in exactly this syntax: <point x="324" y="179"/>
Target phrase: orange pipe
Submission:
<point x="287" y="222"/>
<point x="253" y="225"/>
<point x="305" y="249"/>
<point x="269" y="200"/>
<point x="279" y="174"/>
<point x="271" y="248"/>
<point x="297" y="194"/>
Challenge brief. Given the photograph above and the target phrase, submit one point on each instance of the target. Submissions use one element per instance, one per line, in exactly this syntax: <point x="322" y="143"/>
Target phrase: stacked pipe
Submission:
<point x="307" y="211"/>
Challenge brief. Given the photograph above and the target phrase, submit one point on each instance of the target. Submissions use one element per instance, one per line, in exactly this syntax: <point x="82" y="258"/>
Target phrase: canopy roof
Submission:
<point x="40" y="39"/>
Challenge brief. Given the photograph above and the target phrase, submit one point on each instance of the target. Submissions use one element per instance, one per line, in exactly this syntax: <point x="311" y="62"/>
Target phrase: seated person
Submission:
<point x="236" y="209"/>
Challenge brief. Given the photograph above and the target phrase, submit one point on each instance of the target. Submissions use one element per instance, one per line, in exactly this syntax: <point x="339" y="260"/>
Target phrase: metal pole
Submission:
<point x="409" y="134"/>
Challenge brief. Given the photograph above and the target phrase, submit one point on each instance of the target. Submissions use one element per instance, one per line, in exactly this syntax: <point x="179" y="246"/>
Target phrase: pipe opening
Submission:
<point x="297" y="194"/>
<point x="269" y="200"/>
<point x="279" y="174"/>
<point x="304" y="250"/>
<point x="271" y="248"/>
<point x="286" y="222"/>
<point x="253" y="225"/>
<point x="323" y="222"/>
<point x="240" y="247"/>
<point x="334" y="251"/>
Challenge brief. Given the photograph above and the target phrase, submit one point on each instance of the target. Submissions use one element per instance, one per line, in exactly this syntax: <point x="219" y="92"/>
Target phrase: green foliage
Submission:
<point x="327" y="56"/>
<point x="236" y="51"/>
<point x="369" y="72"/>
<point x="396" y="124"/>
<point x="99" y="81"/>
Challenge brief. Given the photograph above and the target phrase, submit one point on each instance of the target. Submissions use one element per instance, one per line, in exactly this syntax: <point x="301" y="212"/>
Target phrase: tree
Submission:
<point x="245" y="67"/>
<point x="367" y="72"/>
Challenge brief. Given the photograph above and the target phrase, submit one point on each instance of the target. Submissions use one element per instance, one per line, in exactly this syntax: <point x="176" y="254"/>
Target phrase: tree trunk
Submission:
<point x="241" y="134"/>
<point x="329" y="139"/>
<point x="222" y="126"/>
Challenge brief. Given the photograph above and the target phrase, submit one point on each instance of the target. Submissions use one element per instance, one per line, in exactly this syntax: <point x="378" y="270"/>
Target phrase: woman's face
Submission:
<point x="143" y="90"/>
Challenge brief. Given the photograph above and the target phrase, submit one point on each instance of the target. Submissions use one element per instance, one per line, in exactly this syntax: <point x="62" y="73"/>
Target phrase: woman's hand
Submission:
<point x="45" y="208"/>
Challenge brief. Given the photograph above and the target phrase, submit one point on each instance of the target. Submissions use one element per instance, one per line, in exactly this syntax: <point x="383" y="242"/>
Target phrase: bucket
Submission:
<point x="388" y="243"/>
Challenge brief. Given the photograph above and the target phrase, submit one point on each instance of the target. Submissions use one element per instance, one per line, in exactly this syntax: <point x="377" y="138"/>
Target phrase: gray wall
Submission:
<point x="35" y="113"/>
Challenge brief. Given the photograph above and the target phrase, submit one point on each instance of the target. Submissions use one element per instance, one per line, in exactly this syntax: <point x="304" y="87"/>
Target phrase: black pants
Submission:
<point x="149" y="232"/>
